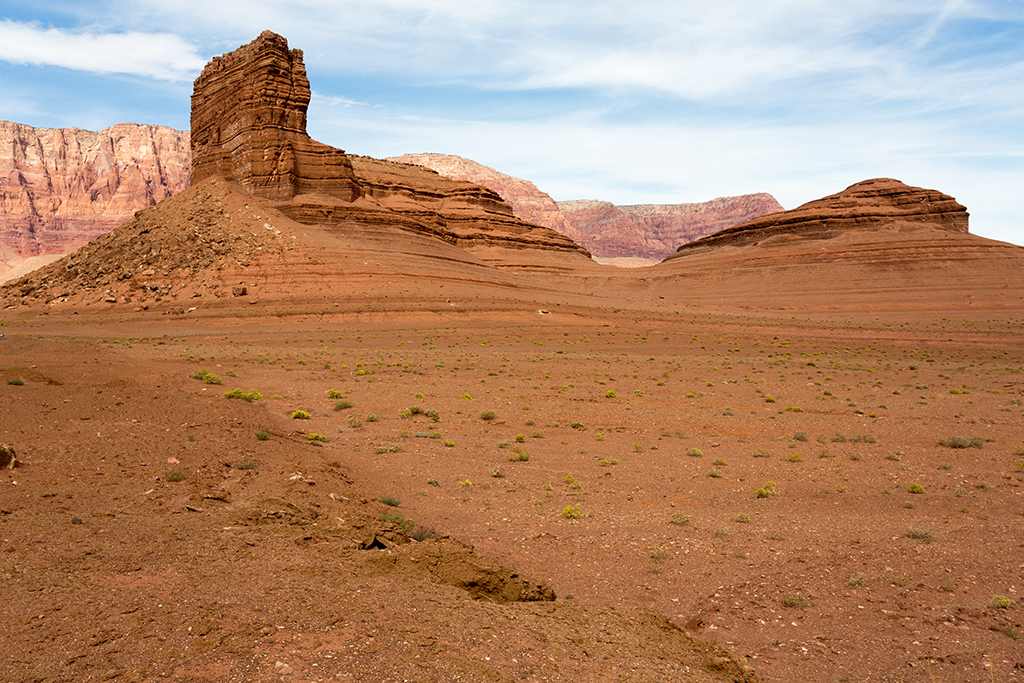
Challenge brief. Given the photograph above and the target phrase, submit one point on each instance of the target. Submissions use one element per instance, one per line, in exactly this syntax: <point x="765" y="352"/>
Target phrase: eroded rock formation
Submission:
<point x="651" y="231"/>
<point x="62" y="187"/>
<point x="249" y="126"/>
<point x="657" y="230"/>
<point x="868" y="205"/>
<point x="527" y="202"/>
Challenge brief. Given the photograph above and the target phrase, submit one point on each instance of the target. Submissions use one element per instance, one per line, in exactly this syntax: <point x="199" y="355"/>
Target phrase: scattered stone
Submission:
<point x="8" y="460"/>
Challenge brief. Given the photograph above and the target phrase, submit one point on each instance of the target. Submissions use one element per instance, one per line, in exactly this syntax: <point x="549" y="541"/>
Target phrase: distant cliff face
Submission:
<point x="657" y="230"/>
<point x="61" y="188"/>
<point x="651" y="231"/>
<point x="528" y="202"/>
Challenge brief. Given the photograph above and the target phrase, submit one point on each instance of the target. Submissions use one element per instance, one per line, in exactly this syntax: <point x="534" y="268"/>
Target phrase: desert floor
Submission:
<point x="774" y="482"/>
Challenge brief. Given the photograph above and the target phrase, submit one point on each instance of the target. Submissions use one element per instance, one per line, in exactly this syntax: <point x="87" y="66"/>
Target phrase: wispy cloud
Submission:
<point x="161" y="56"/>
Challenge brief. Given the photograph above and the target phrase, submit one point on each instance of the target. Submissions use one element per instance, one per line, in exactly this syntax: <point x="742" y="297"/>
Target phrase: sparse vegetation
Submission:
<point x="962" y="442"/>
<point x="1002" y="602"/>
<point x="262" y="435"/>
<point x="249" y="396"/>
<point x="175" y="475"/>
<point x="390" y="501"/>
<point x="695" y="452"/>
<point x="797" y="601"/>
<point x="206" y="376"/>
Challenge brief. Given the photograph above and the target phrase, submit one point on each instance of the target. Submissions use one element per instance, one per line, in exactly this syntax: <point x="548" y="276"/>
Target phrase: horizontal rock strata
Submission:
<point x="61" y="188"/>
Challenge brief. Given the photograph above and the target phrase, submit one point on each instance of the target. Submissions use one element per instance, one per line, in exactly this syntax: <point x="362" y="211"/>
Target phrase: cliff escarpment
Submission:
<point x="61" y="188"/>
<point x="249" y="127"/>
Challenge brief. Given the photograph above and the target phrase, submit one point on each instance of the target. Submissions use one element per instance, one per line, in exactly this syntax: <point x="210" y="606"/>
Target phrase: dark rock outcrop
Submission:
<point x="868" y="205"/>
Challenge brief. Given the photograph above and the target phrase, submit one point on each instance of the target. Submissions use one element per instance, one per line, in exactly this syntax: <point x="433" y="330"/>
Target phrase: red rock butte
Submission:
<point x="249" y="127"/>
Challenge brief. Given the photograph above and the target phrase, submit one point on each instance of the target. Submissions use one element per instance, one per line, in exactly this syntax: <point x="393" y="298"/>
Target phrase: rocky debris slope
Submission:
<point x="871" y="204"/>
<point x="249" y="126"/>
<point x="61" y="188"/>
<point x="185" y="246"/>
<point x="657" y="230"/>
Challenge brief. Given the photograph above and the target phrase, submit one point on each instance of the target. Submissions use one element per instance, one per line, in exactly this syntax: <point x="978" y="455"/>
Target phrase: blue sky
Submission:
<point x="630" y="101"/>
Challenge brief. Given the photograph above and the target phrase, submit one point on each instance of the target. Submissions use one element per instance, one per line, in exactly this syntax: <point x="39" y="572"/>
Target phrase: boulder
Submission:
<point x="8" y="460"/>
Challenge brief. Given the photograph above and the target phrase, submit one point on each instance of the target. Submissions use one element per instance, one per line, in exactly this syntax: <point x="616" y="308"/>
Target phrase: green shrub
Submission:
<point x="679" y="519"/>
<point x="795" y="601"/>
<point x="249" y="396"/>
<point x="300" y="415"/>
<point x="766" y="491"/>
<point x="695" y="453"/>
<point x="741" y="518"/>
<point x="800" y="436"/>
<point x="609" y="394"/>
<point x="334" y="393"/>
<point x="262" y="435"/>
<point x="390" y="501"/>
<point x="372" y="417"/>
<point x="1002" y="602"/>
<point x="915" y="488"/>
<point x="342" y="404"/>
<point x="206" y="376"/>
<point x="177" y="474"/>
<point x="571" y="511"/>
<point x="715" y="474"/>
<point x="488" y="415"/>
<point x="317" y="438"/>
<point x="795" y="457"/>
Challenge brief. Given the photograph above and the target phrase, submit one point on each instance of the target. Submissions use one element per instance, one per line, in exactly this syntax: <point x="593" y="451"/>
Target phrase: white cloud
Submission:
<point x="155" y="55"/>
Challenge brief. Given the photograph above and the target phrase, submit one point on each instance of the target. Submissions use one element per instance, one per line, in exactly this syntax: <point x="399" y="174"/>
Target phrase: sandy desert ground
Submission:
<point x="717" y="471"/>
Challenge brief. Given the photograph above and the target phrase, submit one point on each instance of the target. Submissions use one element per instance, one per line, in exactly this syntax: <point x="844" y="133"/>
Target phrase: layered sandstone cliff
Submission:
<point x="657" y="230"/>
<point x="874" y="204"/>
<point x="61" y="188"/>
<point x="651" y="231"/>
<point x="249" y="126"/>
<point x="527" y="202"/>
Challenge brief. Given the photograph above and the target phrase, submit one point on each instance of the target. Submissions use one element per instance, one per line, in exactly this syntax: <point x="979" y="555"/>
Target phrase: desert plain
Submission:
<point x="714" y="477"/>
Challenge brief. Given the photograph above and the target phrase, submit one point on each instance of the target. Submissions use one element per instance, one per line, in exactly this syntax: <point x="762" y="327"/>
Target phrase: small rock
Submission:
<point x="282" y="669"/>
<point x="8" y="460"/>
